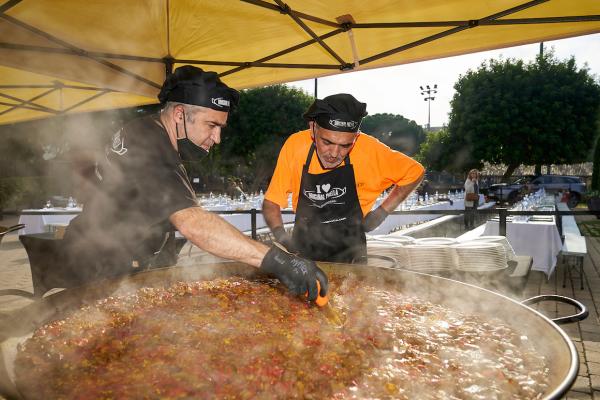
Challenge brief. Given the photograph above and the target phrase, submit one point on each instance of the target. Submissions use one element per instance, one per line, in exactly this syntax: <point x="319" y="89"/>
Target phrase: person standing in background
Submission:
<point x="471" y="198"/>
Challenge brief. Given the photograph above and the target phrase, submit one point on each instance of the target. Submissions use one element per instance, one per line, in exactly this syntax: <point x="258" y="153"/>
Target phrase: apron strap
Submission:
<point x="308" y="158"/>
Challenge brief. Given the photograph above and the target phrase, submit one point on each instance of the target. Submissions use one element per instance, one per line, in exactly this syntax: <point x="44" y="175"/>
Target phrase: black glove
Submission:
<point x="284" y="238"/>
<point x="374" y="218"/>
<point x="297" y="274"/>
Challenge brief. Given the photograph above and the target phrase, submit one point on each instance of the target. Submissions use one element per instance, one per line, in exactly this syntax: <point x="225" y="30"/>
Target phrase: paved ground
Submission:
<point x="14" y="273"/>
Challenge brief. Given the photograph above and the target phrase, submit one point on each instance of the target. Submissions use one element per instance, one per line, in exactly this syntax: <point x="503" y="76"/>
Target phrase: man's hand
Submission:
<point x="297" y="274"/>
<point x="284" y="238"/>
<point x="374" y="218"/>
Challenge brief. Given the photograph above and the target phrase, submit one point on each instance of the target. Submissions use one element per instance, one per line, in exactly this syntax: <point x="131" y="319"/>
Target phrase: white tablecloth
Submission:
<point x="393" y="221"/>
<point x="539" y="240"/>
<point x="37" y="220"/>
<point x="243" y="222"/>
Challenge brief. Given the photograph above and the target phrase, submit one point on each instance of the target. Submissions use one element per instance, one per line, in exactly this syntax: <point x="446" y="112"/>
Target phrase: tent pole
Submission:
<point x="168" y="66"/>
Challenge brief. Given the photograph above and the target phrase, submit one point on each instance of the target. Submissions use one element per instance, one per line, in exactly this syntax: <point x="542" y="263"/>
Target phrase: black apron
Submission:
<point x="328" y="223"/>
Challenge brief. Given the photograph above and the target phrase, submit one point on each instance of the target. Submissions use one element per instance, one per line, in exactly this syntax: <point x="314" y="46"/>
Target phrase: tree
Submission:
<point x="255" y="132"/>
<point x="396" y="131"/>
<point x="434" y="154"/>
<point x="510" y="112"/>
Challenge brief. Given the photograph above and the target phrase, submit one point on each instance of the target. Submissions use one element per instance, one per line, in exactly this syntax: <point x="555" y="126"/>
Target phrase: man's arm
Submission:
<point x="215" y="235"/>
<point x="374" y="218"/>
<point x="399" y="194"/>
<point x="272" y="214"/>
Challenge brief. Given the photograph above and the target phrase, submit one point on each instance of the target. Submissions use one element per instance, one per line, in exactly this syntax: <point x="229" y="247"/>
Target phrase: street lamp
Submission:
<point x="428" y="92"/>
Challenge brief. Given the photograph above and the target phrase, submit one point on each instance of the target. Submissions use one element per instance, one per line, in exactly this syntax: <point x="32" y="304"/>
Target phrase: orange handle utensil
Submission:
<point x="321" y="301"/>
<point x="331" y="314"/>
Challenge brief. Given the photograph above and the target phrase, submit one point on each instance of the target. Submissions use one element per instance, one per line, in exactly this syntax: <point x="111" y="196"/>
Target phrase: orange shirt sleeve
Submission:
<point x="377" y="167"/>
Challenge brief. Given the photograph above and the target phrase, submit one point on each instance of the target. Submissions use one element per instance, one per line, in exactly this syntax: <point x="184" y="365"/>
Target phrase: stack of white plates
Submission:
<point x="437" y="241"/>
<point x="479" y="257"/>
<point x="393" y="239"/>
<point x="429" y="258"/>
<point x="510" y="252"/>
<point x="388" y="249"/>
<point x="376" y="260"/>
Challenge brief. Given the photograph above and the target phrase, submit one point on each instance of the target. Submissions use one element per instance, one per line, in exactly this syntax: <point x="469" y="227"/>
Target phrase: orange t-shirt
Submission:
<point x="376" y="168"/>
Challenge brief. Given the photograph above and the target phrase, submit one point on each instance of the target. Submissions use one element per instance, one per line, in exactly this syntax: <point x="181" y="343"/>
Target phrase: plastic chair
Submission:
<point x="5" y="230"/>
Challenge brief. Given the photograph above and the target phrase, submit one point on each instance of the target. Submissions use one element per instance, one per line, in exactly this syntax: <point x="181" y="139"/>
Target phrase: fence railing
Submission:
<point x="502" y="213"/>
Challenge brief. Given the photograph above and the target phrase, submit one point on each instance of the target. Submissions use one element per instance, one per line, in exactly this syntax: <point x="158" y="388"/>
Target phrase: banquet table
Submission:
<point x="394" y="221"/>
<point x="539" y="239"/>
<point x="39" y="220"/>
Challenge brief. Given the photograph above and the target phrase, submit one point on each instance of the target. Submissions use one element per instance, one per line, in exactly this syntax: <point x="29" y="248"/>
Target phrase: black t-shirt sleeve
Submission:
<point x="167" y="190"/>
<point x="149" y="180"/>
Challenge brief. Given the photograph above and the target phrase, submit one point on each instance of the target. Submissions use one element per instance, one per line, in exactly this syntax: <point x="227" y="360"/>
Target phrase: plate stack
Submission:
<point x="392" y="239"/>
<point x="388" y="249"/>
<point x="479" y="257"/>
<point x="437" y="241"/>
<point x="429" y="258"/>
<point x="510" y="253"/>
<point x="377" y="260"/>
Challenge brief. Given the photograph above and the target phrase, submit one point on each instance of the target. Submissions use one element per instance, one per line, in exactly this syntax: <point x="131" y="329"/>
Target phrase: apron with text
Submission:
<point x="328" y="223"/>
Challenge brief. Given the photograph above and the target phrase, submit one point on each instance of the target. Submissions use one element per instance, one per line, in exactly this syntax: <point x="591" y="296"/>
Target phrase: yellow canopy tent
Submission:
<point x="124" y="49"/>
<point x="26" y="95"/>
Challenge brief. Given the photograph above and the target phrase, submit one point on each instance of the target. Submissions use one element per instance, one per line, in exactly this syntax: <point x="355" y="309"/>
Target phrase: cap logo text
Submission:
<point x="342" y="124"/>
<point x="220" y="102"/>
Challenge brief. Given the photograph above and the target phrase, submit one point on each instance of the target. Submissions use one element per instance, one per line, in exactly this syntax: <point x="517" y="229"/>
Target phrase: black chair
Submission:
<point x="13" y="292"/>
<point x="5" y="230"/>
<point x="49" y="270"/>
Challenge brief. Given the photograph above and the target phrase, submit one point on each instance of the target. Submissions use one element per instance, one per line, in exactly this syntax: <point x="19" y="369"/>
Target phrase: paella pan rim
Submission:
<point x="26" y="320"/>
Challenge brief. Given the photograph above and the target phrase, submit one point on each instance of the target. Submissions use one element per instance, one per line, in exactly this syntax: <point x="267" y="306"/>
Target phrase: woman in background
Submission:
<point x="471" y="198"/>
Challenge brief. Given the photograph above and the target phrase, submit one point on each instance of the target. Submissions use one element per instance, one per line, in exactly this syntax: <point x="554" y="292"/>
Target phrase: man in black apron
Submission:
<point x="145" y="194"/>
<point x="328" y="216"/>
<point x="332" y="200"/>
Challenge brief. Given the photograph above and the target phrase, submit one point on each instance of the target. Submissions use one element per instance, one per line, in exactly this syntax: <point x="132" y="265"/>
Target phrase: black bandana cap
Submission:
<point x="192" y="85"/>
<point x="338" y="112"/>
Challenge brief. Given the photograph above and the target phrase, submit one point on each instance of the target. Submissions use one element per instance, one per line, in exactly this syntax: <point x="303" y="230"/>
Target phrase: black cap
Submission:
<point x="192" y="85"/>
<point x="338" y="112"/>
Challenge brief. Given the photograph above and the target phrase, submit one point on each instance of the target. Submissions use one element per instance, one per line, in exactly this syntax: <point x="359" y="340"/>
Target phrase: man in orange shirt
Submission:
<point x="334" y="192"/>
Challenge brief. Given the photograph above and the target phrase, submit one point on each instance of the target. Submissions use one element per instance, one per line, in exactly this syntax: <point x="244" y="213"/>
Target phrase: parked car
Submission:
<point x="509" y="192"/>
<point x="551" y="184"/>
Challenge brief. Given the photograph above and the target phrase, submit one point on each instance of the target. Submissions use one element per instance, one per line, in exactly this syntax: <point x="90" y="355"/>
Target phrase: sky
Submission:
<point x="396" y="89"/>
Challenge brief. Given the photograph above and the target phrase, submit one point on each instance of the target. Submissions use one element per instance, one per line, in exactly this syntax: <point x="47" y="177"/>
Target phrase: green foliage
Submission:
<point x="435" y="153"/>
<point x="254" y="135"/>
<point x="507" y="111"/>
<point x="8" y="190"/>
<point x="596" y="170"/>
<point x="24" y="192"/>
<point x="396" y="131"/>
<point x="592" y="193"/>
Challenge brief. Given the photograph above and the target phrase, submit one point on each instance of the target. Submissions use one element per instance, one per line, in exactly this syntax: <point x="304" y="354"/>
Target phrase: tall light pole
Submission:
<point x="429" y="93"/>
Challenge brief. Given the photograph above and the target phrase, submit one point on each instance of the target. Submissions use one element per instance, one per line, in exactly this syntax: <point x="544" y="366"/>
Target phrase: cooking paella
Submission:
<point x="239" y="339"/>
